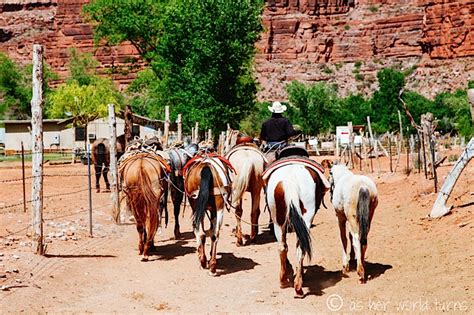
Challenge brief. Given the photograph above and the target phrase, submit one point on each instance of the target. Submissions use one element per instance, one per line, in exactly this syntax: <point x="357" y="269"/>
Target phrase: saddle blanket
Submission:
<point x="313" y="165"/>
<point x="246" y="146"/>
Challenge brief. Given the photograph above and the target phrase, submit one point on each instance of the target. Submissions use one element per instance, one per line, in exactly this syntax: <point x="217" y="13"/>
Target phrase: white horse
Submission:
<point x="354" y="198"/>
<point x="294" y="194"/>
<point x="249" y="163"/>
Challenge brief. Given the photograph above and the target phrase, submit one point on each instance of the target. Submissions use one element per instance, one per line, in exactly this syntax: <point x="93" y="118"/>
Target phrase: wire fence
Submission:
<point x="58" y="177"/>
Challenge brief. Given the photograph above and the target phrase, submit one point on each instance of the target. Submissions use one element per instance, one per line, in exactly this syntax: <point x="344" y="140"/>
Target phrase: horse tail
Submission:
<point x="363" y="214"/>
<point x="242" y="181"/>
<point x="296" y="218"/>
<point x="203" y="196"/>
<point x="146" y="201"/>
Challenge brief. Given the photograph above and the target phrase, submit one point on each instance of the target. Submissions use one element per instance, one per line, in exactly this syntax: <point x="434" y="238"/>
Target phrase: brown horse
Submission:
<point x="143" y="182"/>
<point x="249" y="164"/>
<point x="100" y="158"/>
<point x="207" y="185"/>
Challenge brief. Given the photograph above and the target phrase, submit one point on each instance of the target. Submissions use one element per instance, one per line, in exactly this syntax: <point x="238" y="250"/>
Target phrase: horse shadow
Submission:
<point x="171" y="251"/>
<point x="231" y="264"/>
<point x="185" y="236"/>
<point x="266" y="236"/>
<point x="78" y="256"/>
<point x="317" y="279"/>
<point x="375" y="270"/>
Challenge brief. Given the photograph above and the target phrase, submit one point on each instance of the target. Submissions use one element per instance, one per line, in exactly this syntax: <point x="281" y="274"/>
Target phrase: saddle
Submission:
<point x="201" y="158"/>
<point x="246" y="146"/>
<point x="291" y="151"/>
<point x="301" y="160"/>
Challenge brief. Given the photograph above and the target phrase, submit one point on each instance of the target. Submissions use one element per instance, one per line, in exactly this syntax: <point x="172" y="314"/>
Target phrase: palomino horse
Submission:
<point x="207" y="184"/>
<point x="100" y="156"/>
<point x="143" y="181"/>
<point x="178" y="157"/>
<point x="295" y="190"/>
<point x="354" y="198"/>
<point x="249" y="164"/>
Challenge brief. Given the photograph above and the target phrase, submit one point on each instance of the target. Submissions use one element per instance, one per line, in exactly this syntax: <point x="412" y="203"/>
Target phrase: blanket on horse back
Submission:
<point x="224" y="166"/>
<point x="246" y="146"/>
<point x="295" y="155"/>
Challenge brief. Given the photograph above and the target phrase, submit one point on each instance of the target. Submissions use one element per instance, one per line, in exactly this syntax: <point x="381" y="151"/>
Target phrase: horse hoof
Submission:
<point x="284" y="285"/>
<point x="299" y="294"/>
<point x="239" y="243"/>
<point x="362" y="281"/>
<point x="144" y="259"/>
<point x="212" y="274"/>
<point x="345" y="269"/>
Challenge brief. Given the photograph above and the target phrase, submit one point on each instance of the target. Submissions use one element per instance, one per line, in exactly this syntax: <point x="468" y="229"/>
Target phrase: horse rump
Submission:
<point x="363" y="204"/>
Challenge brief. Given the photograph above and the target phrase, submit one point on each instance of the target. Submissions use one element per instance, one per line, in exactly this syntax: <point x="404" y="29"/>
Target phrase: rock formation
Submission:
<point x="340" y="41"/>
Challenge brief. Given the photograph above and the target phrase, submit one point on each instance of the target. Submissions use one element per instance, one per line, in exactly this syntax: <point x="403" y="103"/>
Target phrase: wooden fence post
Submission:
<point x="351" y="145"/>
<point x="37" y="150"/>
<point x="196" y="132"/>
<point x="374" y="144"/>
<point x="179" y="121"/>
<point x="23" y="175"/>
<point x="209" y="134"/>
<point x="167" y="126"/>
<point x="128" y="129"/>
<point x="113" y="164"/>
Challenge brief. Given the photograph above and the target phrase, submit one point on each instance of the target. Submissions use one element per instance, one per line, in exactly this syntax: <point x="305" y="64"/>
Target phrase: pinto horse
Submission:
<point x="354" y="198"/>
<point x="144" y="182"/>
<point x="295" y="190"/>
<point x="249" y="164"/>
<point x="207" y="185"/>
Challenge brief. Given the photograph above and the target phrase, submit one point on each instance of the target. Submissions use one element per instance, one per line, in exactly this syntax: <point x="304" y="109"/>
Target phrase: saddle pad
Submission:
<point x="301" y="161"/>
<point x="199" y="158"/>
<point x="135" y="154"/>
<point x="246" y="146"/>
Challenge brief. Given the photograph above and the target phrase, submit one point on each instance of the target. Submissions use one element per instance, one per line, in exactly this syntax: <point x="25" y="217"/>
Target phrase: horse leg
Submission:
<point x="106" y="179"/>
<point x="98" y="171"/>
<point x="286" y="270"/>
<point x="238" y="227"/>
<point x="141" y="243"/>
<point x="352" y="254"/>
<point x="201" y="245"/>
<point x="299" y="272"/>
<point x="214" y="239"/>
<point x="359" y="256"/>
<point x="177" y="197"/>
<point x="342" y="230"/>
<point x="255" y="212"/>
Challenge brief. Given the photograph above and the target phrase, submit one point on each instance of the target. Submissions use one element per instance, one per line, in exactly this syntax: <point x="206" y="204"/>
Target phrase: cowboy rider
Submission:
<point x="277" y="129"/>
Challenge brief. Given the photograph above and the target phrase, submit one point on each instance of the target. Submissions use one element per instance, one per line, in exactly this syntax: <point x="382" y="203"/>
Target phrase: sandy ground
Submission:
<point x="415" y="264"/>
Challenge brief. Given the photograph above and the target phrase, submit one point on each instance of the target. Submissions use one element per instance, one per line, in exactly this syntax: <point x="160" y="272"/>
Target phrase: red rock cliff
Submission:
<point x="340" y="41"/>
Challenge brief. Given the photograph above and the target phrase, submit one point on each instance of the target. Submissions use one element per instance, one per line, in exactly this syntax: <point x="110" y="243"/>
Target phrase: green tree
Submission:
<point x="385" y="102"/>
<point x="15" y="94"/>
<point x="84" y="96"/>
<point x="16" y="88"/>
<point x="201" y="52"/>
<point x="316" y="105"/>
<point x="457" y="107"/>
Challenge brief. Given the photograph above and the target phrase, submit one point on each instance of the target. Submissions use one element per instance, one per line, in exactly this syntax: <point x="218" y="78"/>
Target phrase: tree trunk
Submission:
<point x="439" y="207"/>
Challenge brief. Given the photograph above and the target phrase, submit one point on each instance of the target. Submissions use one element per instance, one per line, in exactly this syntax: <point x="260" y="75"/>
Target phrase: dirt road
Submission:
<point x="414" y="264"/>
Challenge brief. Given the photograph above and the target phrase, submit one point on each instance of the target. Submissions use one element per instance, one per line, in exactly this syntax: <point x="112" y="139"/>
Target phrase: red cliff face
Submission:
<point x="340" y="41"/>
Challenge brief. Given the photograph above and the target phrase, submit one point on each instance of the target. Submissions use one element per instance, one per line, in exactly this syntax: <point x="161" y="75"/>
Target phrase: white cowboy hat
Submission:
<point x="277" y="108"/>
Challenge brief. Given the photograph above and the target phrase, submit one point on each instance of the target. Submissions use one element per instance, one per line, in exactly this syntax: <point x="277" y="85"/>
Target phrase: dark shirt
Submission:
<point x="277" y="128"/>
